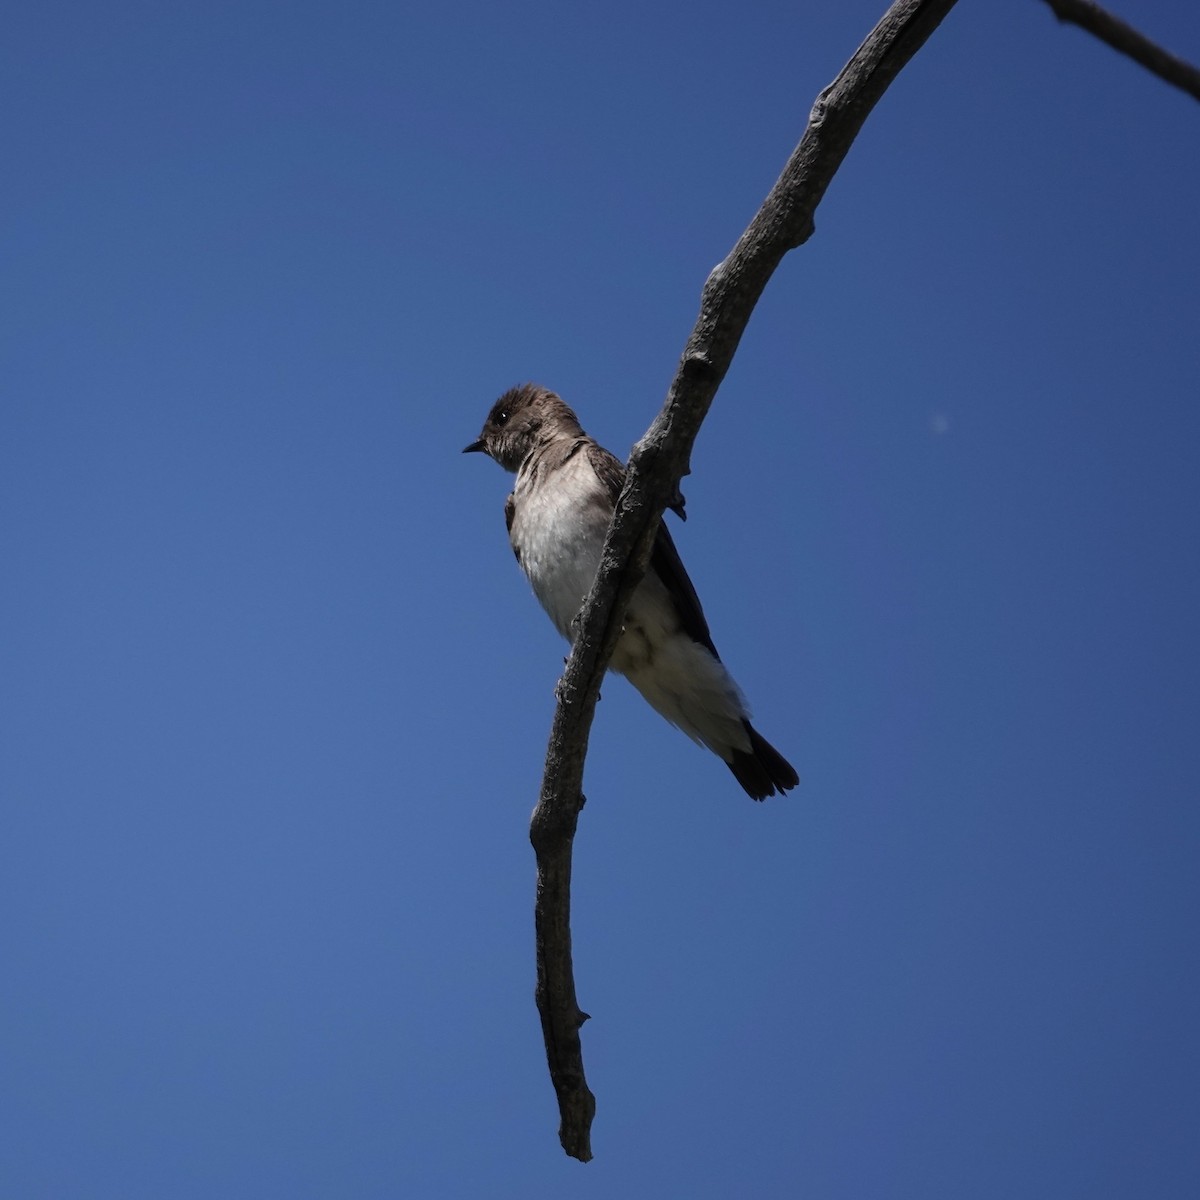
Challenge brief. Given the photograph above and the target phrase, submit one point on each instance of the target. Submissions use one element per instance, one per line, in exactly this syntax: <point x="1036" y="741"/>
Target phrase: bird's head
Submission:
<point x="519" y="421"/>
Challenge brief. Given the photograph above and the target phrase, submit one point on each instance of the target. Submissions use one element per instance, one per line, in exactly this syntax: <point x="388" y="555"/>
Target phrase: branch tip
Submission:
<point x="1128" y="41"/>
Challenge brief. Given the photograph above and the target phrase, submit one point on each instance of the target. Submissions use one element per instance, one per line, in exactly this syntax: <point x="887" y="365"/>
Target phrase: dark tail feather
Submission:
<point x="762" y="770"/>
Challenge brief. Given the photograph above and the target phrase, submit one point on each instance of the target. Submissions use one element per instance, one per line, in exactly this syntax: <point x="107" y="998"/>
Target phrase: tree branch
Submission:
<point x="1126" y="40"/>
<point x="657" y="464"/>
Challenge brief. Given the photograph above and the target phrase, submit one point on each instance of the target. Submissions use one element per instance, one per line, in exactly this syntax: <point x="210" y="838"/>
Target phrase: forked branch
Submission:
<point x="661" y="459"/>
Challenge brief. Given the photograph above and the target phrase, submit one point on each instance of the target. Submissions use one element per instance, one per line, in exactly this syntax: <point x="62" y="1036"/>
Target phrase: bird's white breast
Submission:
<point x="558" y="528"/>
<point x="559" y="522"/>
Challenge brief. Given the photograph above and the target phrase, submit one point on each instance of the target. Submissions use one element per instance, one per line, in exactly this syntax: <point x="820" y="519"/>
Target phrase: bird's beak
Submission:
<point x="475" y="447"/>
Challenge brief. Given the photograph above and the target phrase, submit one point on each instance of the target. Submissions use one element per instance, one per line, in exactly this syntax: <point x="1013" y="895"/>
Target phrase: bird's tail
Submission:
<point x="762" y="770"/>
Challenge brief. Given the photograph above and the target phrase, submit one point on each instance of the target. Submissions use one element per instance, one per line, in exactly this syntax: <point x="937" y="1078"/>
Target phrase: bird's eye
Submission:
<point x="500" y="417"/>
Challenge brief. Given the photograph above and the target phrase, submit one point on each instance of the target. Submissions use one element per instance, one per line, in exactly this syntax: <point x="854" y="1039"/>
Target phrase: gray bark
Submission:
<point x="656" y="466"/>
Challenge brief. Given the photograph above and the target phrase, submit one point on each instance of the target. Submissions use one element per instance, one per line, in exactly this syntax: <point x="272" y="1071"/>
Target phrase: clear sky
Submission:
<point x="275" y="696"/>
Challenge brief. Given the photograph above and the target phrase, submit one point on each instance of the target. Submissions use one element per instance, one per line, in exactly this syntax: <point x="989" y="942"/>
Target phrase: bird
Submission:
<point x="557" y="516"/>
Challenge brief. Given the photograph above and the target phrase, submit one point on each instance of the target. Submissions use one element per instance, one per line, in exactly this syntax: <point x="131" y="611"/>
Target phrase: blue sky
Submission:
<point x="275" y="696"/>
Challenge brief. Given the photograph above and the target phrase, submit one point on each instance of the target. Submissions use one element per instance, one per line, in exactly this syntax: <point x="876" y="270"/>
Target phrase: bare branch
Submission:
<point x="1125" y="39"/>
<point x="656" y="466"/>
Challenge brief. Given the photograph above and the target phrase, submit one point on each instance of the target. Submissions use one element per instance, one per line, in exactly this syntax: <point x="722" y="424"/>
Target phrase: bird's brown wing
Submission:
<point x="664" y="558"/>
